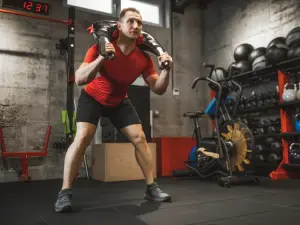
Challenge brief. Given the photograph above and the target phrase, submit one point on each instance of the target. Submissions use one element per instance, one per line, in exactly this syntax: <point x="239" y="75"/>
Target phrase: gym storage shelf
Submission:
<point x="287" y="133"/>
<point x="291" y="167"/>
<point x="282" y="71"/>
<point x="282" y="105"/>
<point x="271" y="70"/>
<point x="292" y="104"/>
<point x="257" y="109"/>
<point x="261" y="136"/>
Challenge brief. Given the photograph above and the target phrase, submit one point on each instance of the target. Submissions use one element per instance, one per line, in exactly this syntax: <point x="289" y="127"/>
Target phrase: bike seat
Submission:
<point x="193" y="114"/>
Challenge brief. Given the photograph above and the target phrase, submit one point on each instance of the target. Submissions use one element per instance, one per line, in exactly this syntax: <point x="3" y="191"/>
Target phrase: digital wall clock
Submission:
<point x="28" y="6"/>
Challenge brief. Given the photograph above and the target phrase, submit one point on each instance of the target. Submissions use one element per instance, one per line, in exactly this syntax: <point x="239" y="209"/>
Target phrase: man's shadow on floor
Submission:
<point x="129" y="212"/>
<point x="137" y="210"/>
<point x="132" y="209"/>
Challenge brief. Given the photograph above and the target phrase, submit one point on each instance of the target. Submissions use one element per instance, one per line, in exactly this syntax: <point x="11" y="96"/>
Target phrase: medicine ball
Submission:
<point x="277" y="41"/>
<point x="242" y="52"/>
<point x="261" y="51"/>
<point x="293" y="52"/>
<point x="276" y="51"/>
<point x="219" y="74"/>
<point x="293" y="37"/>
<point x="259" y="63"/>
<point x="243" y="66"/>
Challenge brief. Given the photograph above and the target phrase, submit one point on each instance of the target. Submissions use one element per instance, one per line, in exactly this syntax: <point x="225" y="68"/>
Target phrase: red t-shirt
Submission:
<point x="111" y="87"/>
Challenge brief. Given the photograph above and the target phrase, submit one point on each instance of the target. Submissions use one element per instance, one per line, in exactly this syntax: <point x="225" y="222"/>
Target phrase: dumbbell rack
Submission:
<point x="284" y="170"/>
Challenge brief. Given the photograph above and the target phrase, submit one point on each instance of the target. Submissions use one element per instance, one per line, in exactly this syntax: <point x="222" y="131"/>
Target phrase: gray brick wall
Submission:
<point x="33" y="83"/>
<point x="233" y="22"/>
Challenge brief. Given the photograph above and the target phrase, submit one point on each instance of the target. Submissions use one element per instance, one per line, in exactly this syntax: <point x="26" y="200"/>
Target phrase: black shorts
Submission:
<point x="89" y="110"/>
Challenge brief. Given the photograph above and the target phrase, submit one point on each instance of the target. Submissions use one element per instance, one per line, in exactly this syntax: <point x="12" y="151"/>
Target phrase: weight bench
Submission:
<point x="25" y="155"/>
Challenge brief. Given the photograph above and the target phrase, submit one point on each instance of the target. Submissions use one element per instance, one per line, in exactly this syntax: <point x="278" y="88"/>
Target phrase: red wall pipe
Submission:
<point x="34" y="16"/>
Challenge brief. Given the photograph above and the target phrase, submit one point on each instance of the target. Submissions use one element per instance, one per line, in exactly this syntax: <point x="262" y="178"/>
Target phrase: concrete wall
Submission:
<point x="188" y="57"/>
<point x="33" y="83"/>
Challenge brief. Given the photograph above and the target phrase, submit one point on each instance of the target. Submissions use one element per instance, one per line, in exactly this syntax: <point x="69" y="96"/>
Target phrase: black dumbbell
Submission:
<point x="274" y="158"/>
<point x="267" y="100"/>
<point x="269" y="141"/>
<point x="264" y="123"/>
<point x="260" y="131"/>
<point x="276" y="145"/>
<point x="273" y="129"/>
<point x="274" y="97"/>
<point x="260" y="102"/>
<point x="260" y="157"/>
<point x="243" y="102"/>
<point x="259" y="148"/>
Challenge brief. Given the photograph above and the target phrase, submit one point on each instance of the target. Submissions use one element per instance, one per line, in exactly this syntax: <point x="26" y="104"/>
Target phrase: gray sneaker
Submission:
<point x="155" y="193"/>
<point x="63" y="203"/>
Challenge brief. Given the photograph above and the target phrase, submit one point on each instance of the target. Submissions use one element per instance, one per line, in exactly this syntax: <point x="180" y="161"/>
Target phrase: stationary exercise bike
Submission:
<point x="229" y="150"/>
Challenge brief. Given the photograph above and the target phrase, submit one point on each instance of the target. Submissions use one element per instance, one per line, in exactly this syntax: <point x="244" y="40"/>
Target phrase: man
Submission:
<point x="106" y="95"/>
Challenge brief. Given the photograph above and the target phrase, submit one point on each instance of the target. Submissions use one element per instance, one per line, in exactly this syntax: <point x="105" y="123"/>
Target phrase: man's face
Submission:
<point x="131" y="25"/>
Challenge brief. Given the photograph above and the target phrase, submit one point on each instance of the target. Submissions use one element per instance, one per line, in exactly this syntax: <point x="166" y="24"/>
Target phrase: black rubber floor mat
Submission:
<point x="229" y="221"/>
<point x="276" y="217"/>
<point x="95" y="216"/>
<point x="201" y="212"/>
<point x="194" y="202"/>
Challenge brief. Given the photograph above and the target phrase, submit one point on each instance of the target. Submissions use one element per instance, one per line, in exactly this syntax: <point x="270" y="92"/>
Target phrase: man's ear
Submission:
<point x="119" y="25"/>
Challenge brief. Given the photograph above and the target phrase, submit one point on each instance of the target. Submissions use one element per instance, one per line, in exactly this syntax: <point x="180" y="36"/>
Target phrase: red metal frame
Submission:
<point x="286" y="126"/>
<point x="25" y="155"/>
<point x="35" y="16"/>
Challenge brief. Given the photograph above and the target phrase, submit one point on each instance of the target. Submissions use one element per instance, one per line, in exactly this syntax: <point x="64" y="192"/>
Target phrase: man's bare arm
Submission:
<point x="159" y="84"/>
<point x="88" y="71"/>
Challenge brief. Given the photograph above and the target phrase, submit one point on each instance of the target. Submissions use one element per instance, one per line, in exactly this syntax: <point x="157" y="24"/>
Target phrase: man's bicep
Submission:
<point x="151" y="79"/>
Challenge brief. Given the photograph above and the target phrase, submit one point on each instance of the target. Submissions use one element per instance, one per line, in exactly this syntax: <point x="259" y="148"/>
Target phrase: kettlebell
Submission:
<point x="294" y="153"/>
<point x="297" y="122"/>
<point x="298" y="93"/>
<point x="289" y="94"/>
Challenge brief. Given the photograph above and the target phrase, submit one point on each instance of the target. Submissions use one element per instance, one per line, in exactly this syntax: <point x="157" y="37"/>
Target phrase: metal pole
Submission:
<point x="71" y="72"/>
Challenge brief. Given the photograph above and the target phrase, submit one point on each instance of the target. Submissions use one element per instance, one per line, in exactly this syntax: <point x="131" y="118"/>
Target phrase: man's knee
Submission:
<point x="84" y="136"/>
<point x="82" y="140"/>
<point x="139" y="138"/>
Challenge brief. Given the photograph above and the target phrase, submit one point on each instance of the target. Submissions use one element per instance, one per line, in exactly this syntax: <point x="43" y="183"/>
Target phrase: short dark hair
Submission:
<point x="125" y="10"/>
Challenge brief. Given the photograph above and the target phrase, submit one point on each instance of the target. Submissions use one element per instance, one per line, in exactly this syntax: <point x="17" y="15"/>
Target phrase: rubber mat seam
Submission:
<point x="44" y="220"/>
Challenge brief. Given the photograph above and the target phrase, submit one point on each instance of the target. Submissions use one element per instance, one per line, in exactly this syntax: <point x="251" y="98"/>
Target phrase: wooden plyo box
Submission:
<point x="117" y="162"/>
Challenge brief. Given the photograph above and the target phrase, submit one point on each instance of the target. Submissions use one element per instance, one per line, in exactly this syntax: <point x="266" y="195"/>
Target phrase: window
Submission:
<point x="149" y="12"/>
<point x="105" y="6"/>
